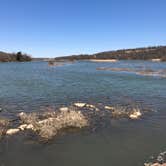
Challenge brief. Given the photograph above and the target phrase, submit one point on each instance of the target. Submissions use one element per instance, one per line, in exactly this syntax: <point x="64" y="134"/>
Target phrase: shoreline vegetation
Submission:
<point x="155" y="54"/>
<point x="14" y="57"/>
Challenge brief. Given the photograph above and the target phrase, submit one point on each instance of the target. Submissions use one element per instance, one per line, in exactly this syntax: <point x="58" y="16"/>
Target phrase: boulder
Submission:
<point x="12" y="131"/>
<point x="80" y="105"/>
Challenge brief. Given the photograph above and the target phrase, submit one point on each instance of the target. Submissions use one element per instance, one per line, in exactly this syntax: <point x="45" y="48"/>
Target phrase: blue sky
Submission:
<point x="51" y="28"/>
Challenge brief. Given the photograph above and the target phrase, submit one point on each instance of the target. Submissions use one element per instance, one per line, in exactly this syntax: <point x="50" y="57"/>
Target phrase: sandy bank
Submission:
<point x="103" y="60"/>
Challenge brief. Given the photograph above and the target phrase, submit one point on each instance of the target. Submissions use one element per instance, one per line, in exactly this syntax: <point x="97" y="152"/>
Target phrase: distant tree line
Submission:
<point x="14" y="57"/>
<point x="145" y="53"/>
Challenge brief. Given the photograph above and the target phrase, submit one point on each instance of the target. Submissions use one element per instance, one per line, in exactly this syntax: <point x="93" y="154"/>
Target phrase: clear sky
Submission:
<point x="50" y="28"/>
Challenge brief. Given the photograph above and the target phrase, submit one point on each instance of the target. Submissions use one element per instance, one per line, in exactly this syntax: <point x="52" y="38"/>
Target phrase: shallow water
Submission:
<point x="34" y="86"/>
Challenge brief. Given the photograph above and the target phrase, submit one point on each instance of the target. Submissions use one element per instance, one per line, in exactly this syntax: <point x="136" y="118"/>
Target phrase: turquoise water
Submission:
<point x="34" y="85"/>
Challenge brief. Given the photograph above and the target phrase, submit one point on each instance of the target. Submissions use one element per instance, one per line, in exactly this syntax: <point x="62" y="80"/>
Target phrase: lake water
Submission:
<point x="33" y="86"/>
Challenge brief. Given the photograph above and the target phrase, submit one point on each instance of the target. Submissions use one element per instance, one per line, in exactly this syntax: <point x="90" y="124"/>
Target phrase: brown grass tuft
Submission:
<point x="3" y="126"/>
<point x="54" y="122"/>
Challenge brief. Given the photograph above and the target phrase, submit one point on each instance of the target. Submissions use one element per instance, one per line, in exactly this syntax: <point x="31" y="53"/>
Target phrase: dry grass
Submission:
<point x="3" y="126"/>
<point x="54" y="122"/>
<point x="65" y="119"/>
<point x="126" y="112"/>
<point x="119" y="112"/>
<point x="30" y="118"/>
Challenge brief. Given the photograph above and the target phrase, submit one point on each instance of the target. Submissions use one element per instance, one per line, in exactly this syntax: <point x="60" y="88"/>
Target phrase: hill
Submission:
<point x="146" y="53"/>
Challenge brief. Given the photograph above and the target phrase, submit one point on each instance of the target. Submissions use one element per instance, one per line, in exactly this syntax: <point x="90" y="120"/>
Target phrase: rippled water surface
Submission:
<point x="33" y="86"/>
